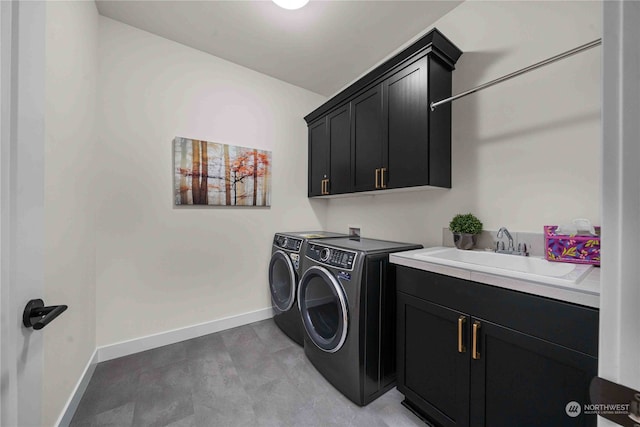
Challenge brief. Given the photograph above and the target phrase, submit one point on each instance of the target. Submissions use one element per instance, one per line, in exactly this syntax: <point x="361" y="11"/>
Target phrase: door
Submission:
<point x="318" y="157"/>
<point x="433" y="360"/>
<point x="323" y="307"/>
<point x="508" y="362"/>
<point x="282" y="281"/>
<point x="366" y="139"/>
<point x="22" y="29"/>
<point x="406" y="152"/>
<point x="339" y="125"/>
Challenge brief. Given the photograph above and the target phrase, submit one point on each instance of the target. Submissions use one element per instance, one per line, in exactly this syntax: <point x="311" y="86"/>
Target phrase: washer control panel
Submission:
<point x="288" y="243"/>
<point x="333" y="257"/>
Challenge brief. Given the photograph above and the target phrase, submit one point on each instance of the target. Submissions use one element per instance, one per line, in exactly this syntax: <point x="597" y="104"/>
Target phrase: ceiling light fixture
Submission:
<point x="291" y="4"/>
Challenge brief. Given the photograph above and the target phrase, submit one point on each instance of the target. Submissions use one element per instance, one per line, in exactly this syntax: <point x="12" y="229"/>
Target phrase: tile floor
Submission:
<point x="252" y="375"/>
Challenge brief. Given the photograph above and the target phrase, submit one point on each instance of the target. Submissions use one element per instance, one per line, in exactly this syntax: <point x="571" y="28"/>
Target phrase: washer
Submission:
<point x="347" y="302"/>
<point x="285" y="269"/>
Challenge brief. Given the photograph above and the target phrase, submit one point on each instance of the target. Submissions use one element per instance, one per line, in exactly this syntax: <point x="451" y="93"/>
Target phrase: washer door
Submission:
<point x="323" y="308"/>
<point x="282" y="281"/>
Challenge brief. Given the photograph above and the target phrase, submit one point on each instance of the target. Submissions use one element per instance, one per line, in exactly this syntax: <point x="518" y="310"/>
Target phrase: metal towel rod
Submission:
<point x="548" y="61"/>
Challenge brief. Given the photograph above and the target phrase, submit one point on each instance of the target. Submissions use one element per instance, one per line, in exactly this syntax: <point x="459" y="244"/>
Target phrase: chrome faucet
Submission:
<point x="522" y="247"/>
<point x="504" y="231"/>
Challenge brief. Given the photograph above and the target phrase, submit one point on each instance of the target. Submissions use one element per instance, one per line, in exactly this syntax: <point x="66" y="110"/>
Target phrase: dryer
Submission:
<point x="285" y="268"/>
<point x="347" y="302"/>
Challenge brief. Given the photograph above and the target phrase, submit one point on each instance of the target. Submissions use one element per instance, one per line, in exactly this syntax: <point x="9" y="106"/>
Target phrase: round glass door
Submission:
<point x="282" y="281"/>
<point x="323" y="309"/>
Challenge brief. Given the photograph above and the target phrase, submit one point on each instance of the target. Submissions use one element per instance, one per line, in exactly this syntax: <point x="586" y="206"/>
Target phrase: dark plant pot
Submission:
<point x="464" y="240"/>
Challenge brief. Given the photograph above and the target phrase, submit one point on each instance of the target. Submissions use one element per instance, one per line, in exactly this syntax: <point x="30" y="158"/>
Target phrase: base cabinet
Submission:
<point x="434" y="374"/>
<point x="465" y="366"/>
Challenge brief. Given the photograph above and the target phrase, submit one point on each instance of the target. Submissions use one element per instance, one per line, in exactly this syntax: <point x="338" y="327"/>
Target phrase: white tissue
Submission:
<point x="579" y="226"/>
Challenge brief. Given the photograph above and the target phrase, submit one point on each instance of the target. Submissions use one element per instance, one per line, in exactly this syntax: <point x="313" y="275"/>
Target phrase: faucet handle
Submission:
<point x="523" y="249"/>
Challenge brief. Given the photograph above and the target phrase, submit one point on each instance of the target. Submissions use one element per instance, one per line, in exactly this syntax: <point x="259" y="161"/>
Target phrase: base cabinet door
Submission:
<point x="433" y="370"/>
<point x="520" y="380"/>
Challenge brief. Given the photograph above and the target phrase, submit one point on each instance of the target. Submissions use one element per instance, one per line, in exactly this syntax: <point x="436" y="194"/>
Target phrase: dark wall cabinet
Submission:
<point x="329" y="154"/>
<point x="476" y="355"/>
<point x="394" y="140"/>
<point x="367" y="138"/>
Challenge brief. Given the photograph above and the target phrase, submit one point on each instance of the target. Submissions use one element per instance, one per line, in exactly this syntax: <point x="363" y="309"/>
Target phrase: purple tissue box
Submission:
<point x="571" y="248"/>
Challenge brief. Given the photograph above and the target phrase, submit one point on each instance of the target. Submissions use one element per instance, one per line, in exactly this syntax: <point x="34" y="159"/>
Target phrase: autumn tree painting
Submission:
<point x="209" y="173"/>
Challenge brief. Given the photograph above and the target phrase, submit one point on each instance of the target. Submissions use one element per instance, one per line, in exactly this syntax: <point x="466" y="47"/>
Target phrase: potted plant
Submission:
<point x="465" y="229"/>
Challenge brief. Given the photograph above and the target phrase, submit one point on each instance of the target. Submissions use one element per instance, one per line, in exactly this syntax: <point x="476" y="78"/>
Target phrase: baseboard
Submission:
<point x="125" y="348"/>
<point x="74" y="400"/>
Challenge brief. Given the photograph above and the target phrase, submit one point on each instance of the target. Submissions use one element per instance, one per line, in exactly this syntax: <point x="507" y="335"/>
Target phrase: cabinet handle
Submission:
<point x="461" y="320"/>
<point x="325" y="187"/>
<point x="377" y="178"/>
<point x="474" y="352"/>
<point x="382" y="184"/>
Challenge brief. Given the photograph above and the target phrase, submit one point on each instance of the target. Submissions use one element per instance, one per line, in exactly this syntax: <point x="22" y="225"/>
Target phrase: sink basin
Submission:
<point x="527" y="268"/>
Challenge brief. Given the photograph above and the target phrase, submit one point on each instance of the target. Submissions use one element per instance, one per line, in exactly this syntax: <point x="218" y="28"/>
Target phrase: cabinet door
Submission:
<point x="366" y="139"/>
<point x="340" y="151"/>
<point x="432" y="373"/>
<point x="520" y="380"/>
<point x="406" y="151"/>
<point x="318" y="156"/>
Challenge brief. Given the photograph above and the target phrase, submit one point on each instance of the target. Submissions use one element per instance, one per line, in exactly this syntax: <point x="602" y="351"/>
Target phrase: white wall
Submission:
<point x="71" y="79"/>
<point x="619" y="321"/>
<point x="160" y="267"/>
<point x="526" y="152"/>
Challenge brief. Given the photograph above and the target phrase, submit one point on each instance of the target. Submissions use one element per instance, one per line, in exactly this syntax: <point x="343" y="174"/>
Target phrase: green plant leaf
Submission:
<point x="465" y="223"/>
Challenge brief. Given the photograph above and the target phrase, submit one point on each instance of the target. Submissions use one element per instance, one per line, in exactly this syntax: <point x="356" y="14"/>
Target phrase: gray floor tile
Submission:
<point x="245" y="348"/>
<point x="279" y="402"/>
<point x="273" y="339"/>
<point x="189" y="421"/>
<point x="262" y="372"/>
<point x="163" y="396"/>
<point x="253" y="375"/>
<point x="303" y="375"/>
<point x="224" y="414"/>
<point x="214" y="381"/>
<point x="87" y="422"/>
<point x="205" y="347"/>
<point x="163" y="356"/>
<point x="105" y="393"/>
<point x="122" y="416"/>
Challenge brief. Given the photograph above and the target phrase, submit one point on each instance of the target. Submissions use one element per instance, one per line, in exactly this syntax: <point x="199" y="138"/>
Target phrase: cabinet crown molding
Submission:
<point x="434" y="42"/>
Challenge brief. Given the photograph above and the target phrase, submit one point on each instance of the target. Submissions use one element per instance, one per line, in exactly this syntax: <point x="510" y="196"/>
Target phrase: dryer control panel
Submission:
<point x="333" y="257"/>
<point x="288" y="243"/>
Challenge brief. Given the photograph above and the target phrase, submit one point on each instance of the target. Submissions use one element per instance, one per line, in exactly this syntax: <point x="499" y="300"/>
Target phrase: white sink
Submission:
<point x="527" y="268"/>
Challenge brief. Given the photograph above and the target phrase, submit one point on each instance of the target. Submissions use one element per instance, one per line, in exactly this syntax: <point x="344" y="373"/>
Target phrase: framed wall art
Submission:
<point x="215" y="174"/>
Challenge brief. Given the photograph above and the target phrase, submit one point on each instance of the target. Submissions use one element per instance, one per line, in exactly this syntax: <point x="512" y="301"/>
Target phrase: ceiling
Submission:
<point x="322" y="47"/>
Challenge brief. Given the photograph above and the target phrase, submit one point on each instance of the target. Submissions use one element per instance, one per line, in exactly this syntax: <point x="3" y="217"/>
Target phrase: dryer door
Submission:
<point x="323" y="307"/>
<point x="282" y="281"/>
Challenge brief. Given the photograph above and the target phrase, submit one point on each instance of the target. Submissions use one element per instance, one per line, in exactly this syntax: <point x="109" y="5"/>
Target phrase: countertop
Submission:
<point x="586" y="292"/>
